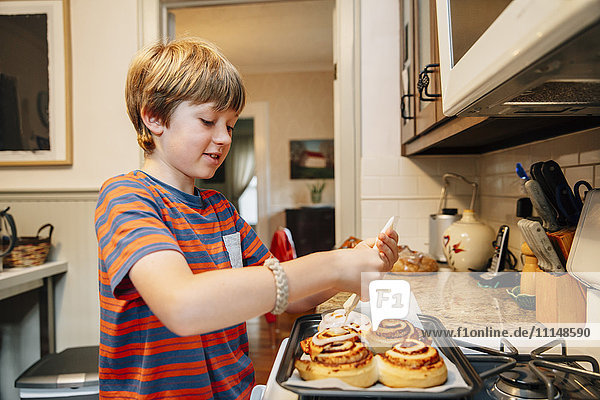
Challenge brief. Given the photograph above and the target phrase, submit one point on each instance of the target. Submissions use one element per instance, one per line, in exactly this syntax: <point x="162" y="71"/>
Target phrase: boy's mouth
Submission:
<point x="214" y="156"/>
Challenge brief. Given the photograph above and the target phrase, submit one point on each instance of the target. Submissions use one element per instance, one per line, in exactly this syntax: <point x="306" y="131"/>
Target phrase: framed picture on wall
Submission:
<point x="35" y="83"/>
<point x="311" y="159"/>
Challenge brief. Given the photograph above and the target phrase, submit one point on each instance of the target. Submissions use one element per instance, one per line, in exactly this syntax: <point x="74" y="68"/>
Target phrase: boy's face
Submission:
<point x="197" y="140"/>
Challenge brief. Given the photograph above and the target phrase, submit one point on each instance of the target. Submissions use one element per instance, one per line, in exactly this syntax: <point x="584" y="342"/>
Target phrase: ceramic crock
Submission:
<point x="468" y="243"/>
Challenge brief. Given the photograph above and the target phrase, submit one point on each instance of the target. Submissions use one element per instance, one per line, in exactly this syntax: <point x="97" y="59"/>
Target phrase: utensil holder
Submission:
<point x="560" y="298"/>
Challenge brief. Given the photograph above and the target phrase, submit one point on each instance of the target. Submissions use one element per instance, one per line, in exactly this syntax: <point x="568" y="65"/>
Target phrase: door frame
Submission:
<point x="259" y="112"/>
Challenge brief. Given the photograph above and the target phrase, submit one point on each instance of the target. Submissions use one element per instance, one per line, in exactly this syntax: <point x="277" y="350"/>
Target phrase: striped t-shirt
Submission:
<point x="139" y="357"/>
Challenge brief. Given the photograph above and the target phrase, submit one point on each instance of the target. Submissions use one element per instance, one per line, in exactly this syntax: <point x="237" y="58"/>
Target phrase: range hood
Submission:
<point x="519" y="58"/>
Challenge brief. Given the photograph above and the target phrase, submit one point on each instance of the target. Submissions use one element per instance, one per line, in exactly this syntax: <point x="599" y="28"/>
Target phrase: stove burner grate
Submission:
<point x="537" y="375"/>
<point x="519" y="383"/>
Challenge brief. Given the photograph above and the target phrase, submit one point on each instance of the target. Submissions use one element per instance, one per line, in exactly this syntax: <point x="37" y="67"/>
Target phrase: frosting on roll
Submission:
<point x="393" y="331"/>
<point x="335" y="334"/>
<point x="320" y="340"/>
<point x="412" y="353"/>
<point x="345" y="352"/>
<point x="337" y="318"/>
<point x="395" y="328"/>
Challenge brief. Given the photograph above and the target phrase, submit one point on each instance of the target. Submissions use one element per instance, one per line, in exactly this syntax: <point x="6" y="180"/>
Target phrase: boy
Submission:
<point x="174" y="287"/>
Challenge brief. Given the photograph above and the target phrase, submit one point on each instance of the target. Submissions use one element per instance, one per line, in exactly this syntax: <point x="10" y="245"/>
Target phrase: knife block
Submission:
<point x="560" y="298"/>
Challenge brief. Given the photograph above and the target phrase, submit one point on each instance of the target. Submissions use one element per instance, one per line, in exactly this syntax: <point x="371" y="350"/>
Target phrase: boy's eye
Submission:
<point x="230" y="129"/>
<point x="207" y="122"/>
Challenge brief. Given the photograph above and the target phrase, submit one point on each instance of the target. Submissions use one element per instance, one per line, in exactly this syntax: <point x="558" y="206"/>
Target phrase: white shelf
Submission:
<point x="14" y="281"/>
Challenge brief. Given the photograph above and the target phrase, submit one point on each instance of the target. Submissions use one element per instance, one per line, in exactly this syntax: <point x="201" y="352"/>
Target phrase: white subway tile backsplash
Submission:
<point x="418" y="208"/>
<point x="379" y="208"/>
<point x="461" y="165"/>
<point x="491" y="185"/>
<point x="429" y="185"/>
<point x="589" y="146"/>
<point x="500" y="209"/>
<point x="419" y="166"/>
<point x="370" y="227"/>
<point x="460" y="188"/>
<point x="399" y="186"/>
<point x="499" y="163"/>
<point x="512" y="185"/>
<point x="382" y="166"/>
<point x="419" y="179"/>
<point x="590" y="157"/>
<point x="565" y="150"/>
<point x="408" y="226"/>
<point x="422" y="227"/>
<point x="371" y="186"/>
<point x="574" y="174"/>
<point x="415" y="243"/>
<point x="540" y="151"/>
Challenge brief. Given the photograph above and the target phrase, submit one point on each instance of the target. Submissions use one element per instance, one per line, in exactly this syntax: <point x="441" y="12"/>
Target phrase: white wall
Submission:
<point x="104" y="37"/>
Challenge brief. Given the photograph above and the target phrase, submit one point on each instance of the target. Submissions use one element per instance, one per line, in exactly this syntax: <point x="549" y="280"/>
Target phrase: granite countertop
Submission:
<point x="457" y="300"/>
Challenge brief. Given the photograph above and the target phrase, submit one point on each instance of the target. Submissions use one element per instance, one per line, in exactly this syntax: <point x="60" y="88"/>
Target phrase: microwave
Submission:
<point x="519" y="58"/>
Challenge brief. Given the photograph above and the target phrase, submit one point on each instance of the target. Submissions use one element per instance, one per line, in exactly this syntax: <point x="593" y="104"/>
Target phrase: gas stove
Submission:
<point x="540" y="374"/>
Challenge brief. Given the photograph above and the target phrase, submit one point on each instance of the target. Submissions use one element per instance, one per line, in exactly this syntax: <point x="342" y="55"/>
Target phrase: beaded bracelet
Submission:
<point x="281" y="283"/>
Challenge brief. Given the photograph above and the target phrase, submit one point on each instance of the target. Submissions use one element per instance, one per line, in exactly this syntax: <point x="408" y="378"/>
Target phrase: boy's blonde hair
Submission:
<point x="163" y="75"/>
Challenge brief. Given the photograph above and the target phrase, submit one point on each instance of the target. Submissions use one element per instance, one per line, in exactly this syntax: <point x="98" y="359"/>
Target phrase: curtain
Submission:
<point x="242" y="161"/>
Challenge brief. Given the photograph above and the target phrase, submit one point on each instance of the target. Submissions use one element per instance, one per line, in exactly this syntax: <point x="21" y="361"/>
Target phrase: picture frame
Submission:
<point x="35" y="112"/>
<point x="311" y="159"/>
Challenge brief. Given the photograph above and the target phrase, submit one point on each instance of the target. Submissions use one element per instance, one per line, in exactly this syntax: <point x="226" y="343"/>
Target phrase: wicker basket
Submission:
<point x="30" y="250"/>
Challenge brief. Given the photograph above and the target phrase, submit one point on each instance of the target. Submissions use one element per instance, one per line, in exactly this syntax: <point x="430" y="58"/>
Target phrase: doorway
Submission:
<point x="343" y="42"/>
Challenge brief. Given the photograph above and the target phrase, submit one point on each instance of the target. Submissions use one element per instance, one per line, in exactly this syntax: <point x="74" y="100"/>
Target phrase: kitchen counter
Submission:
<point x="458" y="301"/>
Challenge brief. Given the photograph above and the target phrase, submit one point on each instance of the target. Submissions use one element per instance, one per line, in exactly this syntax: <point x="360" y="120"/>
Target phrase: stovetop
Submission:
<point x="541" y="374"/>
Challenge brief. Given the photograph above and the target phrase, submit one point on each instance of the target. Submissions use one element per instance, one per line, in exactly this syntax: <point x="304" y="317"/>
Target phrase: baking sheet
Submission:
<point x="462" y="379"/>
<point x="455" y="380"/>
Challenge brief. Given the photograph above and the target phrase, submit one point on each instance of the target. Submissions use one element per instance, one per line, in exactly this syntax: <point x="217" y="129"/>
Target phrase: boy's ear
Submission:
<point x="153" y="123"/>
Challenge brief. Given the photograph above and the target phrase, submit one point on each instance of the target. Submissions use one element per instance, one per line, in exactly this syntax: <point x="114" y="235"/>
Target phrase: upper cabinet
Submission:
<point x="501" y="121"/>
<point x="421" y="98"/>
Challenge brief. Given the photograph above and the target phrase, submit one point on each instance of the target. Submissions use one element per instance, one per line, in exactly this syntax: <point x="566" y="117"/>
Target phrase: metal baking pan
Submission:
<point x="307" y="325"/>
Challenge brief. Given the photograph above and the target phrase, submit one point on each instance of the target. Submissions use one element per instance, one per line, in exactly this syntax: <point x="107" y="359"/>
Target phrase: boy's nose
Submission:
<point x="222" y="136"/>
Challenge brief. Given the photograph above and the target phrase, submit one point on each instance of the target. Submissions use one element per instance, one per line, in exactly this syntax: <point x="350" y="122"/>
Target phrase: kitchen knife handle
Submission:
<point x="541" y="205"/>
<point x="540" y="245"/>
<point x="569" y="208"/>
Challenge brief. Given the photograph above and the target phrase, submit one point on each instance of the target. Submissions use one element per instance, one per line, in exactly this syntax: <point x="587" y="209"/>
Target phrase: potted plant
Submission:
<point x="316" y="190"/>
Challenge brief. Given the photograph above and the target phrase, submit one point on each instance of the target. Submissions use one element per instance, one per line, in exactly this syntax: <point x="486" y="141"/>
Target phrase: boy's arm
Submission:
<point x="190" y="303"/>
<point x="311" y="301"/>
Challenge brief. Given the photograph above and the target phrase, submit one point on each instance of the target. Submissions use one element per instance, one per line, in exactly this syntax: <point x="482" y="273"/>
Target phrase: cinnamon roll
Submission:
<point x="391" y="332"/>
<point x="315" y="344"/>
<point x="411" y="363"/>
<point x="338" y="353"/>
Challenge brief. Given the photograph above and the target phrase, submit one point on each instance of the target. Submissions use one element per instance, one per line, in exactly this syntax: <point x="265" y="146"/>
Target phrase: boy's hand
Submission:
<point x="387" y="245"/>
<point x="365" y="258"/>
